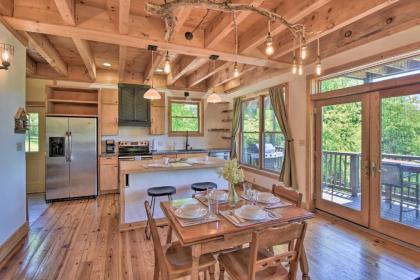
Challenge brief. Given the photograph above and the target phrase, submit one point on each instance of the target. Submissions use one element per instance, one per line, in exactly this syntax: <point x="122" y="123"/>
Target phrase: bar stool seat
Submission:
<point x="161" y="191"/>
<point x="203" y="186"/>
<point x="157" y="192"/>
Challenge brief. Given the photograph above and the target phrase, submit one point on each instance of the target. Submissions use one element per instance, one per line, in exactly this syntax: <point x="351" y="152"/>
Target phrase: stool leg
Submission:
<point x="146" y="230"/>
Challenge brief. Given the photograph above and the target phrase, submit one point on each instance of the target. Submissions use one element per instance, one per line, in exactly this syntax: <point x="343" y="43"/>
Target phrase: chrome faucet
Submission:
<point x="187" y="145"/>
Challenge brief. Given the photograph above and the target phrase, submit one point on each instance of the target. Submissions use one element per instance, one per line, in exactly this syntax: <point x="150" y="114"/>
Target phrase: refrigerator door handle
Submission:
<point x="66" y="147"/>
<point x="70" y="144"/>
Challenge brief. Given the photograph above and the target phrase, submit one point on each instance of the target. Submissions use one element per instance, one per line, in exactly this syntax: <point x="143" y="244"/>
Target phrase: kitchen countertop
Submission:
<point x="108" y="154"/>
<point x="130" y="167"/>
<point x="197" y="151"/>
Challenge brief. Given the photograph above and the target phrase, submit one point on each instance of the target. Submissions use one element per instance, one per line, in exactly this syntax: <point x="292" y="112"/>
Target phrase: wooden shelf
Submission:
<point x="227" y="111"/>
<point x="72" y="101"/>
<point x="71" y="115"/>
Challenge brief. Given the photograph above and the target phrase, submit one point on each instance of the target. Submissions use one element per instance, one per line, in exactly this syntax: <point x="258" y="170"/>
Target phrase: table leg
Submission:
<point x="304" y="267"/>
<point x="196" y="253"/>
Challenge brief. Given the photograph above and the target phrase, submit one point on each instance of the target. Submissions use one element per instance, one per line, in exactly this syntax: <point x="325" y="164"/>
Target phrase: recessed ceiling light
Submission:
<point x="107" y="64"/>
<point x="159" y="70"/>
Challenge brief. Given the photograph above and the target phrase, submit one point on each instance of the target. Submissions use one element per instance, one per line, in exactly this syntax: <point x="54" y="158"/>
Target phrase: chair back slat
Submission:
<point x="261" y="240"/>
<point x="289" y="194"/>
<point x="157" y="245"/>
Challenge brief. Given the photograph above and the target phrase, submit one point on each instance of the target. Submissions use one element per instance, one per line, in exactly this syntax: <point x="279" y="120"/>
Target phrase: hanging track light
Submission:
<point x="269" y="49"/>
<point x="152" y="93"/>
<point x="167" y="66"/>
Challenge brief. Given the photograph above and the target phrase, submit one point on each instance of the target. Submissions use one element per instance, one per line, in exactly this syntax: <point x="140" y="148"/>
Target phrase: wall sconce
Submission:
<point x="6" y="52"/>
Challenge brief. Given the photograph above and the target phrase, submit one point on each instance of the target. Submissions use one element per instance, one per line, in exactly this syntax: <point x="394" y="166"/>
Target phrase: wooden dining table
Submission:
<point x="221" y="235"/>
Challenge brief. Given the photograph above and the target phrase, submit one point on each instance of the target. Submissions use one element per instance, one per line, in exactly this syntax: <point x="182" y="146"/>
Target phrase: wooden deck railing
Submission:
<point x="341" y="172"/>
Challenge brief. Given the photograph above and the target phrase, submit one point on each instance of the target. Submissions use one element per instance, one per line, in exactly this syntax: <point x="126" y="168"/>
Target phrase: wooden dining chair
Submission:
<point x="173" y="261"/>
<point x="254" y="264"/>
<point x="288" y="194"/>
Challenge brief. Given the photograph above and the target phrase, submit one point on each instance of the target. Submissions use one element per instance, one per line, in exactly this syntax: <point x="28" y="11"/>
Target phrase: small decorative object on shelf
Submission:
<point x="234" y="175"/>
<point x="21" y="121"/>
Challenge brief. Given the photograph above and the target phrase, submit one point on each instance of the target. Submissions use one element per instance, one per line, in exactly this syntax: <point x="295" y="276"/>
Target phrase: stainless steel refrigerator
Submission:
<point x="71" y="158"/>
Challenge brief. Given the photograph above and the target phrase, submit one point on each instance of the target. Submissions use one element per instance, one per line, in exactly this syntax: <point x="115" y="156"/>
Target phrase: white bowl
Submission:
<point x="191" y="211"/>
<point x="251" y="212"/>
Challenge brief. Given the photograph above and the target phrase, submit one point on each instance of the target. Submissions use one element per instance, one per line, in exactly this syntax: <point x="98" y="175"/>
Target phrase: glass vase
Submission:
<point x="233" y="196"/>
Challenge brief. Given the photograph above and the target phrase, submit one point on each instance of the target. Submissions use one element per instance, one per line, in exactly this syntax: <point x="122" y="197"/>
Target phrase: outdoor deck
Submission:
<point x="400" y="183"/>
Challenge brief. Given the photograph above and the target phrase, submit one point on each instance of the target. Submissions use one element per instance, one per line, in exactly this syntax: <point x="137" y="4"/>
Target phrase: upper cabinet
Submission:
<point x="109" y="112"/>
<point x="157" y="116"/>
<point x="134" y="109"/>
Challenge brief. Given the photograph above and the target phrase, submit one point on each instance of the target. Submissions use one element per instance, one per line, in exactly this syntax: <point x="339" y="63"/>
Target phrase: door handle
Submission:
<point x="66" y="147"/>
<point x="70" y="144"/>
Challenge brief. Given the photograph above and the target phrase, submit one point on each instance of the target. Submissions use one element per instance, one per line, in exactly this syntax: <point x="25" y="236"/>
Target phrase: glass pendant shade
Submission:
<point x="294" y="66"/>
<point x="236" y="70"/>
<point x="214" y="98"/>
<point x="318" y="68"/>
<point x="300" y="69"/>
<point x="152" y="94"/>
<point x="167" y="67"/>
<point x="269" y="49"/>
<point x="303" y="52"/>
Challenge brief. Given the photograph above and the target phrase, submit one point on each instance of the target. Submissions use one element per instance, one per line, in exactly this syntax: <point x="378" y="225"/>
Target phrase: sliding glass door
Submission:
<point x="342" y="156"/>
<point x="368" y="160"/>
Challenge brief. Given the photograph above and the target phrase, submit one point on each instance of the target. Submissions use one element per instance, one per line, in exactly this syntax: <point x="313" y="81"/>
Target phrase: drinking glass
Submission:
<point x="247" y="187"/>
<point x="213" y="204"/>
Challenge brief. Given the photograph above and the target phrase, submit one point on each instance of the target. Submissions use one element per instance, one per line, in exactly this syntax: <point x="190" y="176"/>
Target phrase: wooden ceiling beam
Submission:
<point x="292" y="10"/>
<point x="226" y="75"/>
<point x="112" y="10"/>
<point x="183" y="66"/>
<point x="122" y="60"/>
<point x="151" y="68"/>
<point x="6" y="7"/>
<point x="66" y="9"/>
<point x="102" y="33"/>
<point x="206" y="71"/>
<point x="182" y="16"/>
<point x="43" y="46"/>
<point x="323" y="23"/>
<point x="124" y="16"/>
<point x="86" y="54"/>
<point x="222" y="25"/>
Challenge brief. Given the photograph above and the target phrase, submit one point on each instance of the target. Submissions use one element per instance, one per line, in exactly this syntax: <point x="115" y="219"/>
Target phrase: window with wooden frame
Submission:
<point x="260" y="128"/>
<point x="185" y="116"/>
<point x="32" y="134"/>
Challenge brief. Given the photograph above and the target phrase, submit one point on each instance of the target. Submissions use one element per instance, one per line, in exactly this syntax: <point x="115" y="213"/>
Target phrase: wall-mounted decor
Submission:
<point x="6" y="52"/>
<point x="21" y="121"/>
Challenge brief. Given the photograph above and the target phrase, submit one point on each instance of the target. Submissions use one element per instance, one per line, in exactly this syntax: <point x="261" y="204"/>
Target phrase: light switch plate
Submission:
<point x="19" y="146"/>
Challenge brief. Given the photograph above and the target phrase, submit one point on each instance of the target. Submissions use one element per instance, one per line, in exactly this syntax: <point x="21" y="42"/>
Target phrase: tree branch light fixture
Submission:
<point x="152" y="93"/>
<point x="7" y="52"/>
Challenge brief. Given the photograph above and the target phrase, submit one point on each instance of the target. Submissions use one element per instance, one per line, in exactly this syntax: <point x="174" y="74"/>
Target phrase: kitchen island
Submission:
<point x="137" y="176"/>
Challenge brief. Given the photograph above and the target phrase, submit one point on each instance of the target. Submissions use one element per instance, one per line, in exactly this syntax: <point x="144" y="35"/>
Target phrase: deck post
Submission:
<point x="354" y="174"/>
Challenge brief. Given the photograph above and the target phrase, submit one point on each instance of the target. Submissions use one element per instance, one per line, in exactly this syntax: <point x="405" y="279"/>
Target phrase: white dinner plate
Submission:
<point x="268" y="198"/>
<point x="251" y="212"/>
<point x="191" y="211"/>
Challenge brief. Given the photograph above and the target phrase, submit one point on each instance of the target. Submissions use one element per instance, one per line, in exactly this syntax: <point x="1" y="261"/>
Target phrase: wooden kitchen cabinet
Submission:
<point x="109" y="112"/>
<point x="108" y="173"/>
<point x="157" y="116"/>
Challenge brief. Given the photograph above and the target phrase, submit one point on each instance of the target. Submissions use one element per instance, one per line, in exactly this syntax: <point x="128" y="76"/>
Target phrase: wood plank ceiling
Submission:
<point x="106" y="40"/>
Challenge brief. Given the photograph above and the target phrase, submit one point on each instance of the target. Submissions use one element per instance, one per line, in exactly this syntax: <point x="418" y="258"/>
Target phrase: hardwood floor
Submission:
<point x="80" y="240"/>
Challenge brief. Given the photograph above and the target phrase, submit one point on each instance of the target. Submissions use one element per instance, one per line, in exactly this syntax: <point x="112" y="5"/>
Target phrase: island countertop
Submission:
<point x="145" y="166"/>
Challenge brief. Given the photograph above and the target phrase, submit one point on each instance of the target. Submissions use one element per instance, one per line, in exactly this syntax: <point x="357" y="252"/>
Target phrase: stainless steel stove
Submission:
<point x="134" y="150"/>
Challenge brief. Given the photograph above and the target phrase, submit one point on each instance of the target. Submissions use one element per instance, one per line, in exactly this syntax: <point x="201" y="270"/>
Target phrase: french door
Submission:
<point x="368" y="160"/>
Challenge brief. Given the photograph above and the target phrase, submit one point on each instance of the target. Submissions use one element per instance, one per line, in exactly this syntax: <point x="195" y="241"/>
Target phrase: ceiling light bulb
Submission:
<point x="167" y="66"/>
<point x="269" y="49"/>
<point x="214" y="98"/>
<point x="318" y="68"/>
<point x="303" y="52"/>
<point x="300" y="69"/>
<point x="106" y="64"/>
<point x="152" y="94"/>
<point x="236" y="70"/>
<point x="294" y="66"/>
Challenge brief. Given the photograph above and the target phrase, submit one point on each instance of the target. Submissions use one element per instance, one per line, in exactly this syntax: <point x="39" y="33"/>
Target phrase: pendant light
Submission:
<point x="303" y="50"/>
<point x="214" y="98"/>
<point x="294" y="65"/>
<point x="167" y="66"/>
<point x="269" y="49"/>
<point x="318" y="68"/>
<point x="300" y="68"/>
<point x="152" y="93"/>
<point x="235" y="68"/>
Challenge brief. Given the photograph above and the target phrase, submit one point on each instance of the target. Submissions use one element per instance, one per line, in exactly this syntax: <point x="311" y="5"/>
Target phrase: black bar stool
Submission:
<point x="203" y="186"/>
<point x="156" y="192"/>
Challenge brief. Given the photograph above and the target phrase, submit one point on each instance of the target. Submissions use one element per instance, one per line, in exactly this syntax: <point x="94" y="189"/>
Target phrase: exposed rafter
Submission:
<point x="206" y="71"/>
<point x="183" y="66"/>
<point x="6" y="7"/>
<point x="222" y="25"/>
<point x="124" y="16"/>
<point x="122" y="60"/>
<point x="47" y="51"/>
<point x="226" y="75"/>
<point x="30" y="66"/>
<point x="86" y="54"/>
<point x="66" y="10"/>
<point x="151" y="68"/>
<point x="182" y="16"/>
